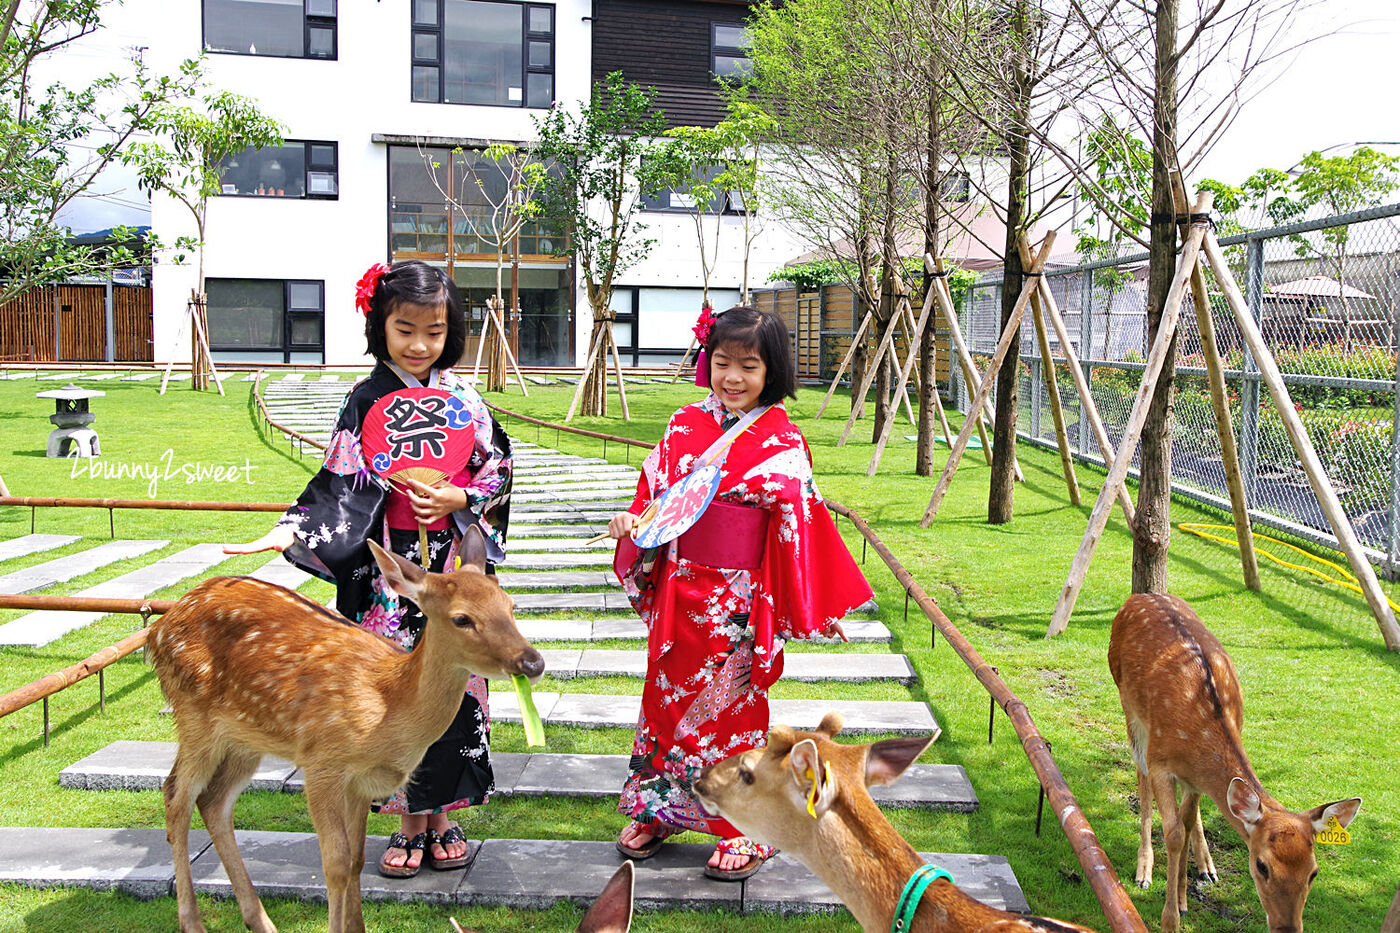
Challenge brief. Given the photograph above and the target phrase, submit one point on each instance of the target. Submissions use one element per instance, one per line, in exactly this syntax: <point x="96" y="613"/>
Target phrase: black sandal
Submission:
<point x="453" y="835"/>
<point x="399" y="841"/>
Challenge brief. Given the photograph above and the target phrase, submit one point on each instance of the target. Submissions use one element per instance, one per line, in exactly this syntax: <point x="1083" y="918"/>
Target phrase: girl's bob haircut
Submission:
<point x="765" y="332"/>
<point x="416" y="283"/>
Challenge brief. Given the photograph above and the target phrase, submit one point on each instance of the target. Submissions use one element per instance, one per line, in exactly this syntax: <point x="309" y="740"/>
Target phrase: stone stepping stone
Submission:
<point x="540" y="380"/>
<point x="133" y="861"/>
<point x="102" y="377"/>
<point x="39" y="628"/>
<point x="329" y="378"/>
<point x="140" y="377"/>
<point x="631" y="627"/>
<point x="128" y="765"/>
<point x="617" y="478"/>
<point x="551" y="512"/>
<point x="802" y="667"/>
<point x="282" y="573"/>
<point x="556" y="602"/>
<point x="608" y="711"/>
<point x="520" y="530"/>
<point x="579" y="543"/>
<point x="62" y="569"/>
<point x="519" y="561"/>
<point x="554" y="458"/>
<point x="294" y="377"/>
<point x="34" y="544"/>
<point x="512" y="582"/>
<point x="74" y="376"/>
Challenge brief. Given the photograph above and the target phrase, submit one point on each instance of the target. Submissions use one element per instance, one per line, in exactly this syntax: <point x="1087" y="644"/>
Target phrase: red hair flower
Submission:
<point x="703" y="324"/>
<point x="364" y="289"/>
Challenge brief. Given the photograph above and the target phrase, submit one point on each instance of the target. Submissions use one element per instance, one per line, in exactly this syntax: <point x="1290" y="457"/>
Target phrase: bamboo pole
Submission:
<point x="969" y="369"/>
<point x="845" y="361"/>
<point x="1317" y="475"/>
<point x="50" y="684"/>
<point x="1086" y="398"/>
<point x="901" y="390"/>
<point x="1224" y="429"/>
<point x="1047" y="363"/>
<point x="1118" y="473"/>
<point x="1013" y="326"/>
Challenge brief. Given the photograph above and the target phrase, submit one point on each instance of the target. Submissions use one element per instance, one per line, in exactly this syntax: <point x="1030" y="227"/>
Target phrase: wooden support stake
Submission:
<point x="858" y="402"/>
<point x="1047" y="365"/>
<point x="617" y="365"/>
<point x="846" y="361"/>
<point x="901" y="391"/>
<point x="694" y="345"/>
<point x="969" y="369"/>
<point x="1302" y="444"/>
<point x="1086" y="398"/>
<point x="1013" y="326"/>
<point x="588" y="362"/>
<point x="1118" y="473"/>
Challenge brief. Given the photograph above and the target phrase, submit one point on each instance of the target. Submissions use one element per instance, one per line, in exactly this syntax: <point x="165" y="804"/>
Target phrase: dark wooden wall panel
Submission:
<point x="665" y="45"/>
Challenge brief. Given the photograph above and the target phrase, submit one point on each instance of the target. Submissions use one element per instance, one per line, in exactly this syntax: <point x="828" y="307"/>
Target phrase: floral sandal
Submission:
<point x="659" y="833"/>
<point x="453" y="836"/>
<point x="757" y="852"/>
<point x="399" y="841"/>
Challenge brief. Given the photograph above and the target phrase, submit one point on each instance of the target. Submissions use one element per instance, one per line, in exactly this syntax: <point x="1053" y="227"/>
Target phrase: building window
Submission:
<point x="723" y="202"/>
<point x="485" y="52"/>
<point x="295" y="169"/>
<point x="954" y="187"/>
<point x="279" y="28"/>
<point x="729" y="51"/>
<point x="267" y="319"/>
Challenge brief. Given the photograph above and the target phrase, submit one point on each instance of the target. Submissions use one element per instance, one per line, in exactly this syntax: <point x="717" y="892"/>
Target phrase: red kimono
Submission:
<point x="715" y="635"/>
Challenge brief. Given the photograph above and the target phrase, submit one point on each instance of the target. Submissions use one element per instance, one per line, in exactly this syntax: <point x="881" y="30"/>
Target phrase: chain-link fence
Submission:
<point x="1325" y="294"/>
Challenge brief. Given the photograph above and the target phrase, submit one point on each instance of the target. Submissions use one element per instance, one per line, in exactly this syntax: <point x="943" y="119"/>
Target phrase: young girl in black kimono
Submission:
<point x="416" y="329"/>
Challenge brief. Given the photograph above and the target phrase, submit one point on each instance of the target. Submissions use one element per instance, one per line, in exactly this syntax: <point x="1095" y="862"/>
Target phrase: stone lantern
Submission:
<point x="72" y="434"/>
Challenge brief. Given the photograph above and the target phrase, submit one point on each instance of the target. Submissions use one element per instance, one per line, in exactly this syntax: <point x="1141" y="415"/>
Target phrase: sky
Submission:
<point x="1336" y="90"/>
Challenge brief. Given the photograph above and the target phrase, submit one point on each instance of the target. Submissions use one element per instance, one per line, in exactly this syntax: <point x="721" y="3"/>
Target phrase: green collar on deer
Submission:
<point x="904" y="911"/>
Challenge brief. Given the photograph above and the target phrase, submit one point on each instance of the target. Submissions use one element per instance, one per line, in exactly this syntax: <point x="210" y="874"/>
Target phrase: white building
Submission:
<point x="364" y="90"/>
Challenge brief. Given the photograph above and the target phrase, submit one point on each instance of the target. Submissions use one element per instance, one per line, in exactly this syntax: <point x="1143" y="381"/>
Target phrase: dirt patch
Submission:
<point x="1057" y="684"/>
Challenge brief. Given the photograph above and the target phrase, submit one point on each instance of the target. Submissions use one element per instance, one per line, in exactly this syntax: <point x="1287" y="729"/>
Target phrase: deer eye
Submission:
<point x="463" y="621"/>
<point x="1312" y="876"/>
<point x="1262" y="869"/>
<point x="746" y="775"/>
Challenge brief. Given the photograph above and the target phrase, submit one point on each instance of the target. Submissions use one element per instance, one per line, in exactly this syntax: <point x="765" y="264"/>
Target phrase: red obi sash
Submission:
<point x="727" y="535"/>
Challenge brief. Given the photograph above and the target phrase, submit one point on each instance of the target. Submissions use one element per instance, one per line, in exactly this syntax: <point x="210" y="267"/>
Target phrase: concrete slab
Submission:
<point x="805" y="667"/>
<point x="583" y="775"/>
<point x="561" y="663"/>
<point x="557" y="580"/>
<point x="532" y="561"/>
<point x="555" y="602"/>
<point x="282" y="573"/>
<point x="289" y="865"/>
<point x="25" y="545"/>
<point x="62" y="569"/>
<point x="128" y="765"/>
<point x="557" y="513"/>
<point x="534" y="873"/>
<point x="903" y="717"/>
<point x="135" y="861"/>
<point x="519" y="530"/>
<point x="785" y="886"/>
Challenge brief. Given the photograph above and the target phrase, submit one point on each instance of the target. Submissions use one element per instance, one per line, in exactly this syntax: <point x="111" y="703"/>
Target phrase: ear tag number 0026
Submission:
<point x="1334" y="833"/>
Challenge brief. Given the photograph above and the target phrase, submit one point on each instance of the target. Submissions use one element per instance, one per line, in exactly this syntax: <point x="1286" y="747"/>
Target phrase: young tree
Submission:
<point x="186" y="160"/>
<point x="601" y="166"/>
<point x="56" y="140"/>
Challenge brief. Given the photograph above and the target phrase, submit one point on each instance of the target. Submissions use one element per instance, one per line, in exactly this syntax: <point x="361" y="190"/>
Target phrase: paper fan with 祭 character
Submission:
<point x="420" y="433"/>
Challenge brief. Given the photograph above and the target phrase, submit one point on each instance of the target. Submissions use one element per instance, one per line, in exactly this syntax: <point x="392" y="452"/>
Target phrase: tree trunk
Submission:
<point x="1152" y="533"/>
<point x="1002" y="494"/>
<point x="928" y="344"/>
<point x="889" y="261"/>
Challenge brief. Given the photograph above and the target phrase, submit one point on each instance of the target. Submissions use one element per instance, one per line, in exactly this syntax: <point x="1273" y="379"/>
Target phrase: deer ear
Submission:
<point x="887" y="760"/>
<point x="612" y="911"/>
<point x="780" y="738"/>
<point x="473" y="549"/>
<point x="814" y="776"/>
<point x="1344" y="810"/>
<point x="831" y="724"/>
<point x="1244" y="803"/>
<point x="403" y="577"/>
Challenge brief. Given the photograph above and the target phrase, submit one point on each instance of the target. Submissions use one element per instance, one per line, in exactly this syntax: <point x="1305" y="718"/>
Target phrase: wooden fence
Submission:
<point x="822" y="323"/>
<point x="69" y="323"/>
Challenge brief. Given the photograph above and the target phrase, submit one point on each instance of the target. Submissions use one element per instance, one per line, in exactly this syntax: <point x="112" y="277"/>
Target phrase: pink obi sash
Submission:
<point x="727" y="535"/>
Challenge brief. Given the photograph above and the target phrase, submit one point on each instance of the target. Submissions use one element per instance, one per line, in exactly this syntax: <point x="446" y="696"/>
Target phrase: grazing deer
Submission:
<point x="807" y="794"/>
<point x="1184" y="709"/>
<point x="251" y="668"/>
<point x="611" y="912"/>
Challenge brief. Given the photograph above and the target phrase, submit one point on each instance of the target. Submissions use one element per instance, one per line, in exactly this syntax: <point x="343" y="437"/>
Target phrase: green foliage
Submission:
<point x="1118" y="192"/>
<point x="810" y="276"/>
<point x="55" y="140"/>
<point x="601" y="163"/>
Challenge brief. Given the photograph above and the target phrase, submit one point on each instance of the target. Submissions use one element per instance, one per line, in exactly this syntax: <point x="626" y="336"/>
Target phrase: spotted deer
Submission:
<point x="251" y="668"/>
<point x="1184" y="710"/>
<point x="610" y="913"/>
<point x="808" y="795"/>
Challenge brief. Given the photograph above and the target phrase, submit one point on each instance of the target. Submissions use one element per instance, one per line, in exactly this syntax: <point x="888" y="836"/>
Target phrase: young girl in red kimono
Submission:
<point x="763" y="564"/>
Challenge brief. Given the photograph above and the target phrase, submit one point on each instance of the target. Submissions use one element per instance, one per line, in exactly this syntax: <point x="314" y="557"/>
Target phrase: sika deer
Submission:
<point x="1184" y="709"/>
<point x="844" y="838"/>
<point x="251" y="668"/>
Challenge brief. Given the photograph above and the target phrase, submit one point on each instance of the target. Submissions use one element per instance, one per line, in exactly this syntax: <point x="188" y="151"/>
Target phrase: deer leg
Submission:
<point x="1144" y="856"/>
<point x="1191" y="828"/>
<point x="1204" y="863"/>
<point x="356" y="813"/>
<point x="326" y="798"/>
<point x="216" y="808"/>
<point x="1174" y="837"/>
<point x="179" y="789"/>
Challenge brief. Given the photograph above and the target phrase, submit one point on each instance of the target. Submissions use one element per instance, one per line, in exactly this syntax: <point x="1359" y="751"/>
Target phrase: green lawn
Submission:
<point x="1318" y="682"/>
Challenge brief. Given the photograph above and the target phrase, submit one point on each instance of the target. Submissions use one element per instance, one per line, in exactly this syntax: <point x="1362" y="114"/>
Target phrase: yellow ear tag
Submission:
<point x="812" y="796"/>
<point x="1334" y="834"/>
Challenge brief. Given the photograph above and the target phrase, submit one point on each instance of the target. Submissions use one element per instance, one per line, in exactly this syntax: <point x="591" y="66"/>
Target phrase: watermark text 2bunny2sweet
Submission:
<point x="163" y="470"/>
